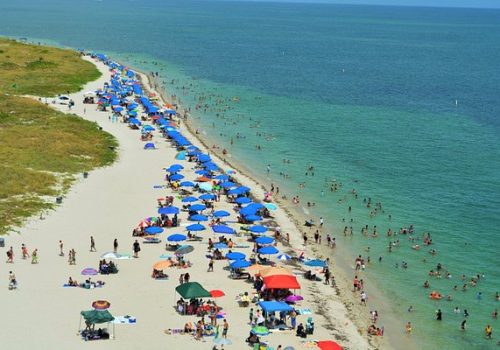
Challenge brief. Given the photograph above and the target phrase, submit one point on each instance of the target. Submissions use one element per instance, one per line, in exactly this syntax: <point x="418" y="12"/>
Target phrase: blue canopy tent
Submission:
<point x="274" y="306"/>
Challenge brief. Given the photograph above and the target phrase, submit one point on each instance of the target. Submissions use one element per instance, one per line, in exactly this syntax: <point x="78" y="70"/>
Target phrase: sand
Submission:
<point x="108" y="204"/>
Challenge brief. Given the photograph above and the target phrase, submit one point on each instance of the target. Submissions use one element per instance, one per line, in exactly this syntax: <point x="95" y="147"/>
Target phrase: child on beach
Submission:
<point x="34" y="257"/>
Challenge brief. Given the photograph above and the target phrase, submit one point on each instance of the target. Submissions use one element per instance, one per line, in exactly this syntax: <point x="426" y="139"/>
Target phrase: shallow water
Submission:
<point x="399" y="103"/>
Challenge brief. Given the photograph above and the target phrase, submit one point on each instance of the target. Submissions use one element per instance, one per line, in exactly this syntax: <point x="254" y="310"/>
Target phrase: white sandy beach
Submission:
<point x="43" y="314"/>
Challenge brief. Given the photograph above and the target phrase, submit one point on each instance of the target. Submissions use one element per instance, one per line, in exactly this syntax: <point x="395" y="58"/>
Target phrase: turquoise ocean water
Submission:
<point x="401" y="104"/>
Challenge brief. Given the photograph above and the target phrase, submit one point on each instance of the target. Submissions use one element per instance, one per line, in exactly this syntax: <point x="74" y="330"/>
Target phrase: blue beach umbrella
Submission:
<point x="195" y="227"/>
<point x="257" y="229"/>
<point x="197" y="207"/>
<point x="315" y="263"/>
<point x="221" y="214"/>
<point x="186" y="184"/>
<point x="227" y="184"/>
<point x="283" y="257"/>
<point x="223" y="229"/>
<point x="204" y="158"/>
<point x="253" y="218"/>
<point x="149" y="145"/>
<point x="240" y="264"/>
<point x="222" y="177"/>
<point x="235" y="256"/>
<point x="153" y="230"/>
<point x="243" y="200"/>
<point x="198" y="217"/>
<point x="176" y="166"/>
<point x="201" y="172"/>
<point x="207" y="197"/>
<point x="220" y="246"/>
<point x="268" y="250"/>
<point x="264" y="240"/>
<point x="176" y="177"/>
<point x="176" y="237"/>
<point x="189" y="199"/>
<point x="168" y="210"/>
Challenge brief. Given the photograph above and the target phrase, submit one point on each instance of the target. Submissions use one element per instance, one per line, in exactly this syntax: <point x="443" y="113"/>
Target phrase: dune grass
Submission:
<point x="42" y="150"/>
<point x="41" y="70"/>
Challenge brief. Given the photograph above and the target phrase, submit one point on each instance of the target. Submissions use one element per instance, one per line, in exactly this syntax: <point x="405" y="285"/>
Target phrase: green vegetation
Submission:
<point x="42" y="70"/>
<point x="42" y="150"/>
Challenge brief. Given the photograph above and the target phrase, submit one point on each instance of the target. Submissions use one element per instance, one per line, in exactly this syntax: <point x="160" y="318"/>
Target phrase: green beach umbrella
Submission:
<point x="260" y="330"/>
<point x="192" y="290"/>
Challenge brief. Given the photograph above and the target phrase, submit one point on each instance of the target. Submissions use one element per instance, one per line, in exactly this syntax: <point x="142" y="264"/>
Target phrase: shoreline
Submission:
<point x="297" y="217"/>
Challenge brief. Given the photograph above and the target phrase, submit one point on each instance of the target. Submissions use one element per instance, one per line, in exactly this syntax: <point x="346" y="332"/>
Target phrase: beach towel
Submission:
<point x="124" y="319"/>
<point x="304" y="311"/>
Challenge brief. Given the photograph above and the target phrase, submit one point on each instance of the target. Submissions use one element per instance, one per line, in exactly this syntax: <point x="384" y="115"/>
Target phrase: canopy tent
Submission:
<point x="274" y="306"/>
<point x="281" y="282"/>
<point x="93" y="317"/>
<point x="267" y="271"/>
<point x="192" y="290"/>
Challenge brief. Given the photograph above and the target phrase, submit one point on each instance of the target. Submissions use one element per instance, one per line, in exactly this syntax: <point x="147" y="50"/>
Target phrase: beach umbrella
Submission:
<point x="149" y="145"/>
<point x="328" y="345"/>
<point x="192" y="290"/>
<point x="189" y="199"/>
<point x="174" y="168"/>
<point x="216" y="293"/>
<point x="255" y="268"/>
<point x="270" y="206"/>
<point x="177" y="237"/>
<point x="101" y="304"/>
<point x="110" y="255"/>
<point x="203" y="158"/>
<point x="220" y="246"/>
<point x="97" y="316"/>
<point x="195" y="227"/>
<point x="243" y="200"/>
<point x="223" y="229"/>
<point x="197" y="207"/>
<point x="260" y="331"/>
<point x="186" y="184"/>
<point x="89" y="271"/>
<point x="222" y="177"/>
<point x="235" y="256"/>
<point x="240" y="264"/>
<point x="176" y="177"/>
<point x="252" y="218"/>
<point x="315" y="263"/>
<point x="239" y="190"/>
<point x="153" y="230"/>
<point x="268" y="250"/>
<point x="168" y="210"/>
<point x="283" y="257"/>
<point x="274" y="270"/>
<point x="198" y="217"/>
<point x="293" y="298"/>
<point x="201" y="172"/>
<point x="221" y="214"/>
<point x="205" y="186"/>
<point x="264" y="240"/>
<point x="289" y="348"/>
<point x="185" y="249"/>
<point x="207" y="197"/>
<point x="227" y="184"/>
<point x="257" y="229"/>
<point x="160" y="265"/>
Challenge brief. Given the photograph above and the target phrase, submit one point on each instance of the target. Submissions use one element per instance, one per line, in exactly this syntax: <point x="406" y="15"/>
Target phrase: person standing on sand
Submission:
<point x="136" y="248"/>
<point x="211" y="265"/>
<point x="24" y="251"/>
<point x="225" y="328"/>
<point x="115" y="245"/>
<point x="61" y="248"/>
<point x="293" y="318"/>
<point x="34" y="256"/>
<point x="92" y="244"/>
<point x="10" y="256"/>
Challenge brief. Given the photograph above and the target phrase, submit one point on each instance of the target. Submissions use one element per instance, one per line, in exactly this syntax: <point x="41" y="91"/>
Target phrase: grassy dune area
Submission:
<point x="41" y="150"/>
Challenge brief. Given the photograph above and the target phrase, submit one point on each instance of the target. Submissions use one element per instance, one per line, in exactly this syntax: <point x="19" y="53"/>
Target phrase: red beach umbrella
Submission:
<point x="217" y="293"/>
<point x="328" y="345"/>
